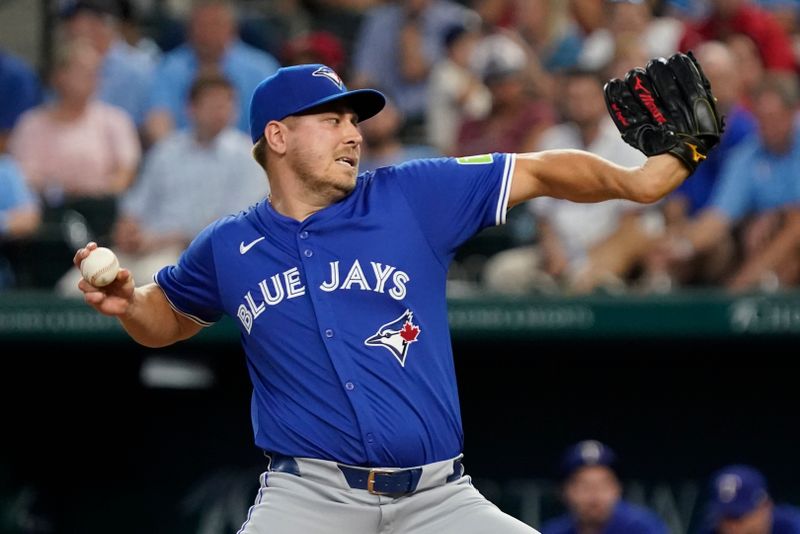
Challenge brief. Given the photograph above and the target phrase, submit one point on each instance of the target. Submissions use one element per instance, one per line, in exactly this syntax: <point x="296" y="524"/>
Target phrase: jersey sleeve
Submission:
<point x="191" y="286"/>
<point x="454" y="198"/>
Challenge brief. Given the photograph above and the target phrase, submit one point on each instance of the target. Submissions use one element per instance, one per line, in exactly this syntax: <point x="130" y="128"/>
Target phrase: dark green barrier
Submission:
<point x="657" y="378"/>
<point x="696" y="314"/>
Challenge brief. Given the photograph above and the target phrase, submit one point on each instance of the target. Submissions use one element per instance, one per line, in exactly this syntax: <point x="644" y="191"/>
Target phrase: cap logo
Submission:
<point x="728" y="486"/>
<point x="328" y="73"/>
<point x="591" y="452"/>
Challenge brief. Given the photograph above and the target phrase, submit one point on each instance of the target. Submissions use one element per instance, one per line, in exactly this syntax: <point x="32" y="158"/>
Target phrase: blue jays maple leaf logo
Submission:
<point x="396" y="336"/>
<point x="329" y="74"/>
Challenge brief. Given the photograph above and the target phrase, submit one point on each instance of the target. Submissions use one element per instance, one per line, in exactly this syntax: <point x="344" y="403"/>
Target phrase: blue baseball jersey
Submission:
<point x="785" y="520"/>
<point x="343" y="316"/>
<point x="626" y="518"/>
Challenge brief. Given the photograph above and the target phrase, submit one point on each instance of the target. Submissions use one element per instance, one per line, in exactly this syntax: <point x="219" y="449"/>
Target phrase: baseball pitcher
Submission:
<point x="337" y="285"/>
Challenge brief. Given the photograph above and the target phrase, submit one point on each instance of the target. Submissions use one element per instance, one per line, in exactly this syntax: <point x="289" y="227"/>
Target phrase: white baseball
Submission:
<point x="100" y="267"/>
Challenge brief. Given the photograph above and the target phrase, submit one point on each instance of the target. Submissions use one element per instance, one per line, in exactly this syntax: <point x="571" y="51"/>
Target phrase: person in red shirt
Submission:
<point x="729" y="17"/>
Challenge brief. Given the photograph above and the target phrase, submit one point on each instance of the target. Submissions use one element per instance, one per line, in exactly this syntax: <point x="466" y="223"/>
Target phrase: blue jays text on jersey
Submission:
<point x="288" y="285"/>
<point x="343" y="316"/>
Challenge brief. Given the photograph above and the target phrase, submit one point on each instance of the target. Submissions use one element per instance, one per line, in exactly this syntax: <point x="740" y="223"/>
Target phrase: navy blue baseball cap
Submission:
<point x="70" y="8"/>
<point x="736" y="490"/>
<point x="587" y="453"/>
<point x="292" y="90"/>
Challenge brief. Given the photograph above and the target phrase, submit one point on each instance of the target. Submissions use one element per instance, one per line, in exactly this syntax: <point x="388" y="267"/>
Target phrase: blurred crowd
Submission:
<point x="736" y="500"/>
<point x="132" y="132"/>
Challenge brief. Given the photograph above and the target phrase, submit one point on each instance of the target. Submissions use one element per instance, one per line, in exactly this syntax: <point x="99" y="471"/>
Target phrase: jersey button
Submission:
<point x="328" y="333"/>
<point x="303" y="235"/>
<point x="349" y="386"/>
<point x="308" y="253"/>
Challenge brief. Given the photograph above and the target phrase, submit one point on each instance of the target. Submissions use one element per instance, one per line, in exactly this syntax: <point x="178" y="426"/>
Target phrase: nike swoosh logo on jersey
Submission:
<point x="244" y="248"/>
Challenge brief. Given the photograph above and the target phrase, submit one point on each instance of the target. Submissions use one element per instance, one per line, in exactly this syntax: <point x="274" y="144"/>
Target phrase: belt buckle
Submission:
<point x="371" y="480"/>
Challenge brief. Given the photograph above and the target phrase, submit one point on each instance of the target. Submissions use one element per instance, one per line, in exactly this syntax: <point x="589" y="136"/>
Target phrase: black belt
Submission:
<point x="378" y="481"/>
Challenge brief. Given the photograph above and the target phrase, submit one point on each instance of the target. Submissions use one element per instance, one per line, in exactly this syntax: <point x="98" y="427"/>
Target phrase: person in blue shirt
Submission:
<point x="688" y="202"/>
<point x="20" y="90"/>
<point x="213" y="45"/>
<point x="20" y="215"/>
<point x="719" y="64"/>
<point x="740" y="504"/>
<point x="336" y="283"/>
<point x="758" y="193"/>
<point x="126" y="73"/>
<point x="593" y="495"/>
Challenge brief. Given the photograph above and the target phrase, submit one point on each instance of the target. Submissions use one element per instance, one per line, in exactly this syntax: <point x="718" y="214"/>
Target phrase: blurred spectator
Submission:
<point x="588" y="14"/>
<point x="397" y="45"/>
<point x="593" y="496"/>
<point x="78" y="155"/>
<point x="757" y="193"/>
<point x="130" y="28"/>
<point x="354" y="5"/>
<point x="728" y="17"/>
<point x="500" y="48"/>
<point x="514" y="45"/>
<point x="628" y="54"/>
<point x="740" y="504"/>
<point x="20" y="215"/>
<point x="212" y="46"/>
<point x="382" y="145"/>
<point x="19" y="91"/>
<point x="75" y="145"/>
<point x="315" y="47"/>
<point x="126" y="73"/>
<point x="749" y="65"/>
<point x="580" y="246"/>
<point x="342" y="18"/>
<point x="786" y="13"/>
<point x="630" y="19"/>
<point x="721" y="68"/>
<point x="207" y="164"/>
<point x="693" y="195"/>
<point x="455" y="92"/>
<point x="684" y="10"/>
<point x="495" y="13"/>
<point x="516" y="119"/>
<point x="268" y="24"/>
<point x="547" y="28"/>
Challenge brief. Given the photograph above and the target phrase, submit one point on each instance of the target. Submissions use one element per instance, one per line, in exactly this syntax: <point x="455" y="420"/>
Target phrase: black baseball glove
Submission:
<point x="667" y="107"/>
